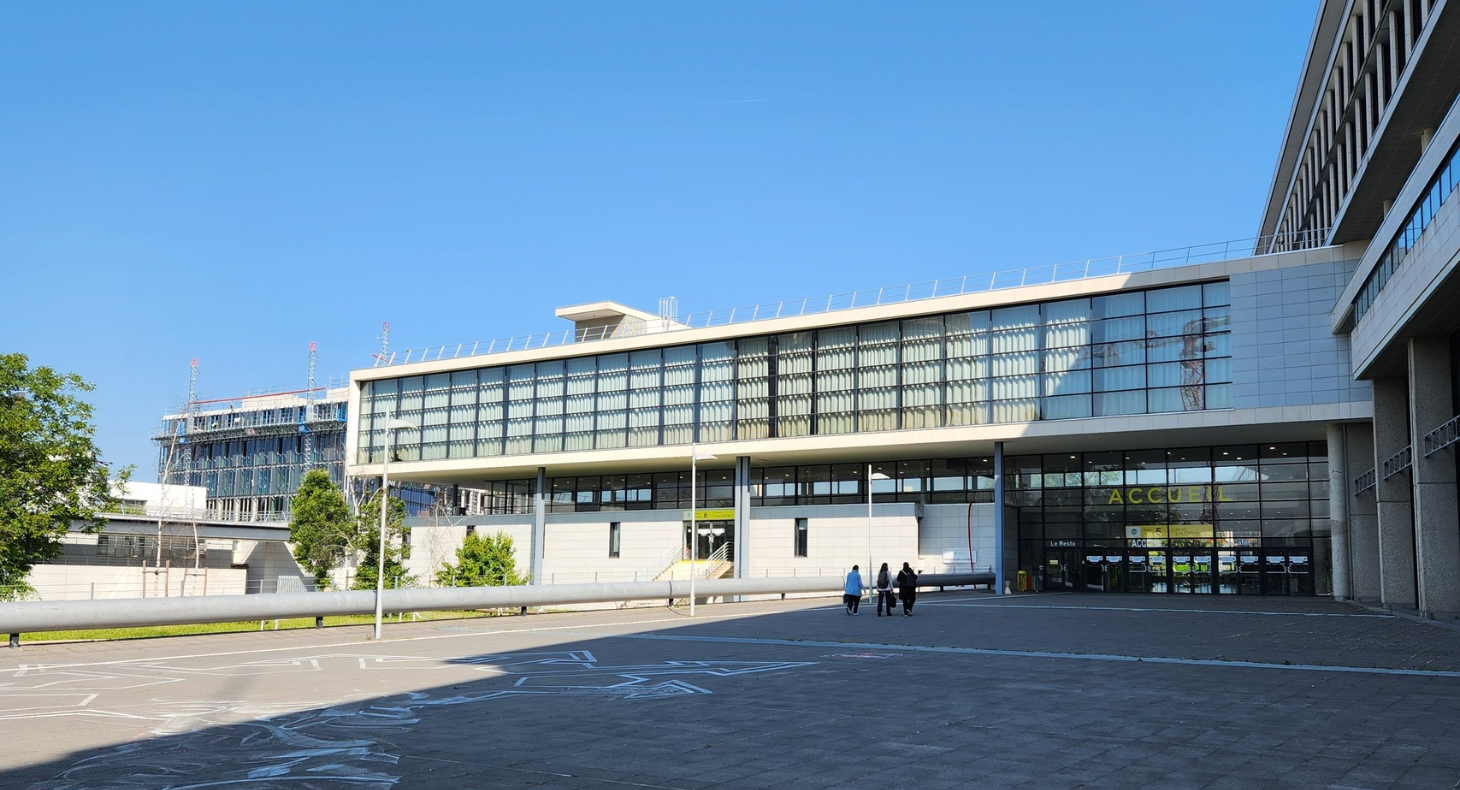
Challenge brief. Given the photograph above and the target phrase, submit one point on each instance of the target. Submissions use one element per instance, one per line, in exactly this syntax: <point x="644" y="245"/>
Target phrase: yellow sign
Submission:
<point x="1159" y="531"/>
<point x="1162" y="495"/>
<point x="711" y="515"/>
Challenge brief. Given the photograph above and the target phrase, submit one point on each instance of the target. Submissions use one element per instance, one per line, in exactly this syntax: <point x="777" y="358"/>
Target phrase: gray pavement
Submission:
<point x="1039" y="691"/>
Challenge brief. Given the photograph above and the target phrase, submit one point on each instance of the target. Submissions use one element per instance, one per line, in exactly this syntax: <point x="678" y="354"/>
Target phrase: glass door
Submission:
<point x="1138" y="573"/>
<point x="1249" y="572"/>
<point x="1104" y="572"/>
<point x="1191" y="570"/>
<point x="1061" y="569"/>
<point x="1229" y="579"/>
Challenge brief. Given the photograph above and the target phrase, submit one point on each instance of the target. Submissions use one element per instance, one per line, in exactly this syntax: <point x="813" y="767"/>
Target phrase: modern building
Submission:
<point x="251" y="453"/>
<point x="1280" y="420"/>
<point x="1370" y="161"/>
<point x="1140" y="444"/>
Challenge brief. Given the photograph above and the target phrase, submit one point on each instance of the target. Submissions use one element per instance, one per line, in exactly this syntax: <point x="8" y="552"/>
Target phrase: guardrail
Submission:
<point x="1442" y="437"/>
<point x="35" y="616"/>
<point x="1398" y="462"/>
<point x="873" y="297"/>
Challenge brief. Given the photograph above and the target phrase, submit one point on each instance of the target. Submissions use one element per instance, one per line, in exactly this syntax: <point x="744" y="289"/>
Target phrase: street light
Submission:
<point x="870" y="477"/>
<point x="395" y="424"/>
<point x="695" y="456"/>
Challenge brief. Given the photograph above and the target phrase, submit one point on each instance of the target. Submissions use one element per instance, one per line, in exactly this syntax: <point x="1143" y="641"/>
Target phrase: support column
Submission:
<point x="1338" y="487"/>
<point x="539" y="524"/>
<point x="998" y="518"/>
<point x="1363" y="518"/>
<point x="742" y="516"/>
<point x="1436" y="522"/>
<point x="1396" y="515"/>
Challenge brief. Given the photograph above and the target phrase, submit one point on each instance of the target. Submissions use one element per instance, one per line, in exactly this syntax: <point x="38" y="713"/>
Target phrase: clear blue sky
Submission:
<point x="232" y="181"/>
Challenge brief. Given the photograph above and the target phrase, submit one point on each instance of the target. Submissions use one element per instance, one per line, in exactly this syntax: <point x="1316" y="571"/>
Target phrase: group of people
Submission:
<point x="906" y="582"/>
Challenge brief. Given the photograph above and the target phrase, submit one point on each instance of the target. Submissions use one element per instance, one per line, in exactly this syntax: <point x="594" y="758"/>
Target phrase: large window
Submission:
<point x="1136" y="352"/>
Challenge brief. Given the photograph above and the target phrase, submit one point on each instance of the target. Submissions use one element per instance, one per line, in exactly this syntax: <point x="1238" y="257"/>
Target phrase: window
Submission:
<point x="800" y="537"/>
<point x="615" y="532"/>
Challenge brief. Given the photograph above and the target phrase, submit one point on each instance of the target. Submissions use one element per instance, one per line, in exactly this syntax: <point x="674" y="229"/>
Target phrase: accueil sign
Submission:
<point x="1166" y="495"/>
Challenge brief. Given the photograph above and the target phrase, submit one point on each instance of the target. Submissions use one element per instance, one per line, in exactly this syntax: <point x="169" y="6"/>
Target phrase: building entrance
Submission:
<point x="713" y="537"/>
<point x="1180" y="570"/>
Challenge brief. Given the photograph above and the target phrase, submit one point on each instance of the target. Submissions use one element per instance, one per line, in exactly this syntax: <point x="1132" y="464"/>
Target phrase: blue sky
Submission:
<point x="230" y="181"/>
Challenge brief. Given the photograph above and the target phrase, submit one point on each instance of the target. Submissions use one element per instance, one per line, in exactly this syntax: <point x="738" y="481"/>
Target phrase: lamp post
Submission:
<point x="695" y="456"/>
<point x="870" y="477"/>
<point x="395" y="424"/>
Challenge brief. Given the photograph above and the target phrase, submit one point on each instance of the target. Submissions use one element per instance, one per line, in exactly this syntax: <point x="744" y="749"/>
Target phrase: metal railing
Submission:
<point x="1398" y="462"/>
<point x="1365" y="482"/>
<point x="190" y="514"/>
<point x="912" y="292"/>
<point x="1442" y="437"/>
<point x="31" y="616"/>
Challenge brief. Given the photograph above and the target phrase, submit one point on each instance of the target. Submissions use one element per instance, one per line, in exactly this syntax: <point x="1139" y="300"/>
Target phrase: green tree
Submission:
<point x="367" y="539"/>
<point x="320" y="525"/>
<point x="50" y="473"/>
<point x="482" y="562"/>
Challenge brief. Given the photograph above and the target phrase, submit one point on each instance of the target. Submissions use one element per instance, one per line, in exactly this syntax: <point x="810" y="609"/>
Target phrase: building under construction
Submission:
<point x="251" y="452"/>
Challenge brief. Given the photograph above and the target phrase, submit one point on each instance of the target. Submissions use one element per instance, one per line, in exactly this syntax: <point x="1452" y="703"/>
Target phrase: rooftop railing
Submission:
<point x="911" y="292"/>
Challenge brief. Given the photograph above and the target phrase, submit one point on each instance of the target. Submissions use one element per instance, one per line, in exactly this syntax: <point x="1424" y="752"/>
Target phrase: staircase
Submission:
<point x="716" y="566"/>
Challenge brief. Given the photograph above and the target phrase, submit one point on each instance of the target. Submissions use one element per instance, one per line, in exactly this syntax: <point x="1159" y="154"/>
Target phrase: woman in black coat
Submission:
<point x="907" y="588"/>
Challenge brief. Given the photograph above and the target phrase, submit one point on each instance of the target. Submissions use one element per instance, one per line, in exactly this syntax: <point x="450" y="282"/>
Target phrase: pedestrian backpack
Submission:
<point x="883" y="582"/>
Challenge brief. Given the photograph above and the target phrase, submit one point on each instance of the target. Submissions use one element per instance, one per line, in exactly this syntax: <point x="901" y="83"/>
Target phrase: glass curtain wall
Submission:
<point x="1137" y="352"/>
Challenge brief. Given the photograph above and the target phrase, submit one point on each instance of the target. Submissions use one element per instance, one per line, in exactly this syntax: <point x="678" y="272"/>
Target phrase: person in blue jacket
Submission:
<point x="852" y="593"/>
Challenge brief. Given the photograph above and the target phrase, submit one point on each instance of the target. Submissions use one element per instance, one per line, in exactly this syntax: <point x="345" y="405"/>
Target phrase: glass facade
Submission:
<point x="1134" y="352"/>
<point x="1245" y="518"/>
<point x="1436" y="193"/>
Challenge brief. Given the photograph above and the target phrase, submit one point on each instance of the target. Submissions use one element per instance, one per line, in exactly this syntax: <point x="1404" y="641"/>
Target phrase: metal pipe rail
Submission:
<point x="33" y="616"/>
<point x="942" y="580"/>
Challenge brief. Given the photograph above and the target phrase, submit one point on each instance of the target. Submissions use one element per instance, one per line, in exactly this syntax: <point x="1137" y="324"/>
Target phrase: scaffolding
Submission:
<point x="251" y="452"/>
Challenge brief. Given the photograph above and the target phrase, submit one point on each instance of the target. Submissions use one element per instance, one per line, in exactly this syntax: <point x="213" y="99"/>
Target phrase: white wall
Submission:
<point x="112" y="582"/>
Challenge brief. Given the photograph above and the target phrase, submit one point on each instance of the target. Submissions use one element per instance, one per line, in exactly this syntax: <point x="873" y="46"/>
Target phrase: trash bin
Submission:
<point x="1023" y="582"/>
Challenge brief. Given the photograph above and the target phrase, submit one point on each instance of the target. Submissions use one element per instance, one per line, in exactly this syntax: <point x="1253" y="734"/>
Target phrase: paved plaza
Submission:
<point x="1041" y="691"/>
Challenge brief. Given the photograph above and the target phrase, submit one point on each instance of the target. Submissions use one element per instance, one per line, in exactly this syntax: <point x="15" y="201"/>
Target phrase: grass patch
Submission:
<point x="148" y="632"/>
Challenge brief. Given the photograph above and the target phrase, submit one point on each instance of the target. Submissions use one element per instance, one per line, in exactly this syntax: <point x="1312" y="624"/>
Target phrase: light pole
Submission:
<point x="870" y="477"/>
<point x="395" y="424"/>
<point x="695" y="456"/>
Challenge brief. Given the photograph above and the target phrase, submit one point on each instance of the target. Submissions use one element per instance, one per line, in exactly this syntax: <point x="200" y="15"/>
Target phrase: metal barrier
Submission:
<point x="944" y="580"/>
<point x="31" y="616"/>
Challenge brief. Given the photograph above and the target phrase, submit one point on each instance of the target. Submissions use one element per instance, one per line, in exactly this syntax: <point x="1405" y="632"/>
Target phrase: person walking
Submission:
<point x="852" y="593"/>
<point x="907" y="588"/>
<point x="884" y="591"/>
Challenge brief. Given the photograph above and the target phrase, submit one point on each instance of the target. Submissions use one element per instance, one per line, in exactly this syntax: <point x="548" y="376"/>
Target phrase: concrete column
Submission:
<point x="742" y="516"/>
<point x="1338" y="487"/>
<point x="1396" y="516"/>
<point x="999" y="560"/>
<point x="539" y="524"/>
<point x="1363" y="518"/>
<point x="1436" y="522"/>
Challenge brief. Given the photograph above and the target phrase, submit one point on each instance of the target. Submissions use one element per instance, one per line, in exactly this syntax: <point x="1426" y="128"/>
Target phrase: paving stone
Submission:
<point x="1037" y="691"/>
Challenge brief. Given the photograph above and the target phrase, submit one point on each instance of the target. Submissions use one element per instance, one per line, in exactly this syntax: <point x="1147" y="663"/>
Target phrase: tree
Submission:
<point x="50" y="472"/>
<point x="367" y="539"/>
<point x="320" y="525"/>
<point x="482" y="562"/>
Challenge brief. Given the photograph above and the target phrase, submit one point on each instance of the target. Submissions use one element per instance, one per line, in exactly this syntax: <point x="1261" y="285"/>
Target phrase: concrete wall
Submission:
<point x="102" y="582"/>
<point x="1284" y="352"/>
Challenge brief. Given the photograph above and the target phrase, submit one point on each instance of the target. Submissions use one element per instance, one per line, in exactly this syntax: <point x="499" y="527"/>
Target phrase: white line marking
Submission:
<point x="985" y="651"/>
<point x="1166" y="609"/>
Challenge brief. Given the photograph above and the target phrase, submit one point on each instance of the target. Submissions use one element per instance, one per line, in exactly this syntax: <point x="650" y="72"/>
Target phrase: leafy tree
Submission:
<point x="482" y="562"/>
<point x="367" y="539"/>
<point x="50" y="475"/>
<point x="320" y="525"/>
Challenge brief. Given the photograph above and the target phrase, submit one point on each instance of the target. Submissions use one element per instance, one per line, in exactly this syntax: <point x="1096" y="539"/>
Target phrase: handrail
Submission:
<point x="1365" y="482"/>
<point x="1398" y="462"/>
<point x="912" y="292"/>
<point x="32" y="616"/>
<point x="1442" y="437"/>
